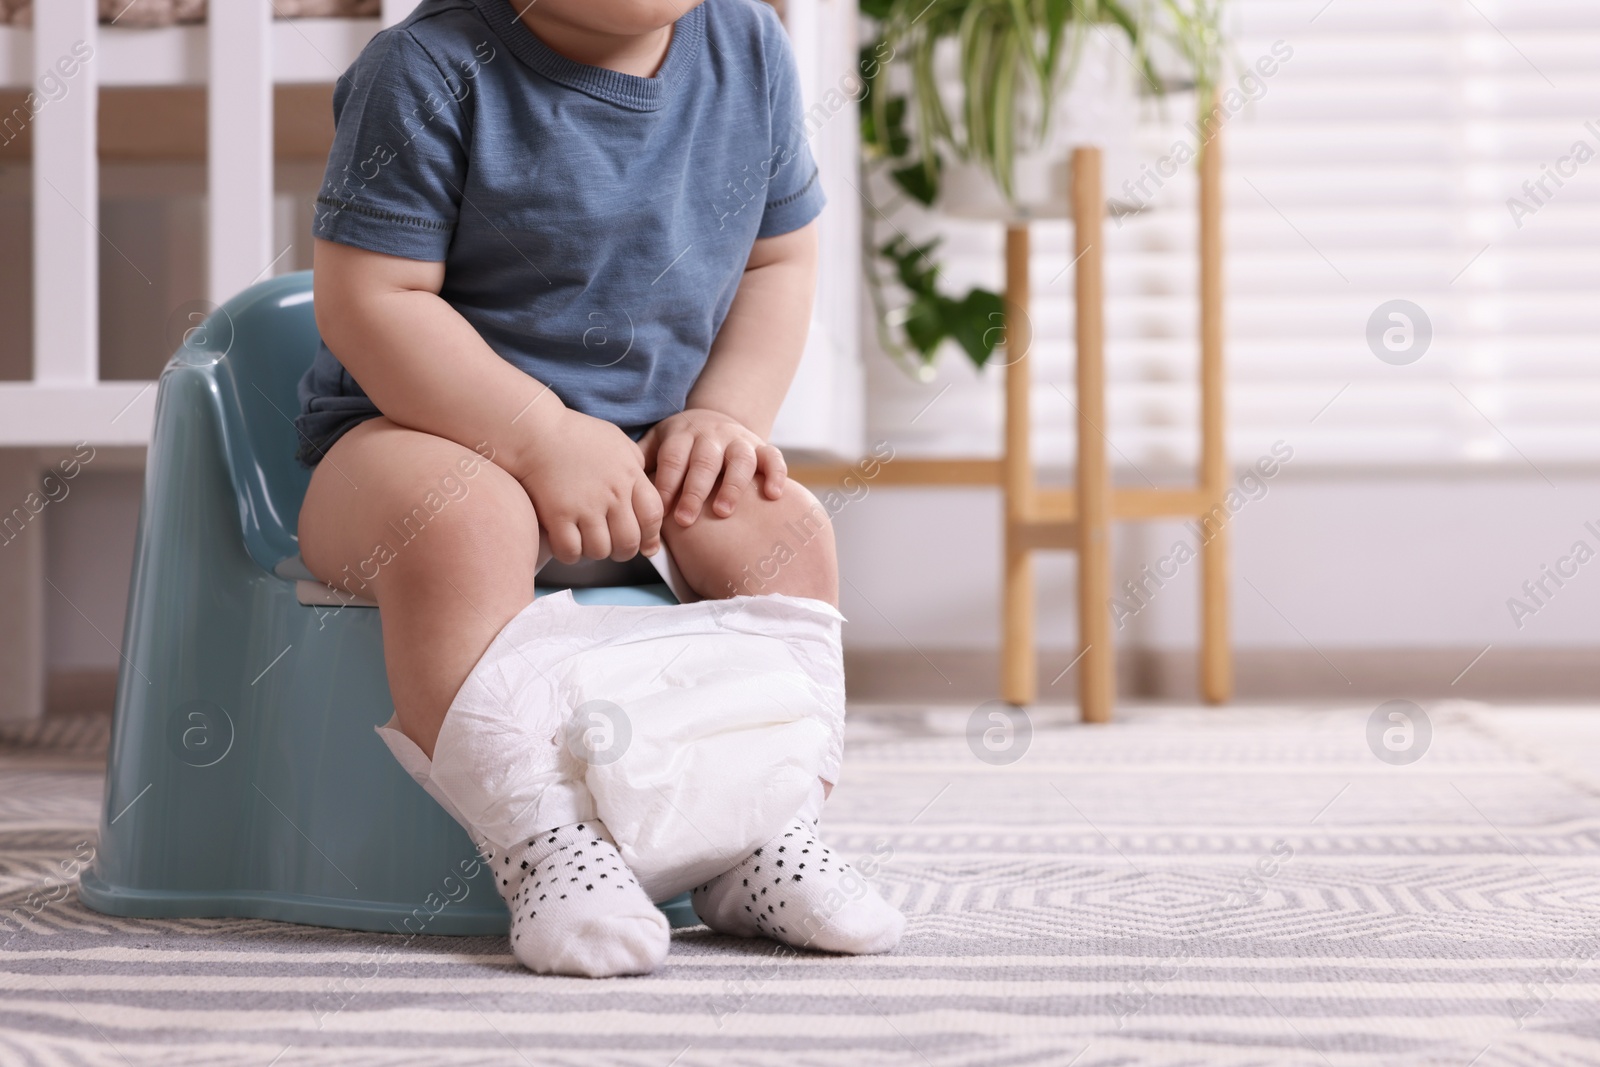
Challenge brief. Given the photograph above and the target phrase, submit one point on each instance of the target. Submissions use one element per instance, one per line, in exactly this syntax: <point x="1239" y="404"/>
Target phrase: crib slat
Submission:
<point x="66" y="189"/>
<point x="239" y="153"/>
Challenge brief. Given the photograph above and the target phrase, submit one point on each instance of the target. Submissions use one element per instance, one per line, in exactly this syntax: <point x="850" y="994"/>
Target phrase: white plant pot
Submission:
<point x="1100" y="107"/>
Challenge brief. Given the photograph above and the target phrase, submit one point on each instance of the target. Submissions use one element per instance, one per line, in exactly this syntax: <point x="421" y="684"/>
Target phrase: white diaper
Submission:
<point x="694" y="731"/>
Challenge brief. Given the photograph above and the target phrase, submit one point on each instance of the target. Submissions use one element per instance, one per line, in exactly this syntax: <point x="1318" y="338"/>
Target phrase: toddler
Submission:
<point x="568" y="248"/>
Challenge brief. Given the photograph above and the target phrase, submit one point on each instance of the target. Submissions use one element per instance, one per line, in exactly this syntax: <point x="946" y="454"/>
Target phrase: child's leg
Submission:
<point x="766" y="546"/>
<point x="792" y="889"/>
<point x="447" y="543"/>
<point x="446" y="583"/>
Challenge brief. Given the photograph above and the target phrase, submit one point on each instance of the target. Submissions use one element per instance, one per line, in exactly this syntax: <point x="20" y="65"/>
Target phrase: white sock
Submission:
<point x="576" y="908"/>
<point x="795" y="890"/>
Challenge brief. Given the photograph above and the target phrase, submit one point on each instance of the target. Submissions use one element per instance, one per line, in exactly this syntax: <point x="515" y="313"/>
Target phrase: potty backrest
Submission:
<point x="255" y="349"/>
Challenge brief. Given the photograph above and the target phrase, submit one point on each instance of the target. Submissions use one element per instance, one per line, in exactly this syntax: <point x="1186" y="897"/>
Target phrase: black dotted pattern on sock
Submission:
<point x="540" y="873"/>
<point x="765" y="912"/>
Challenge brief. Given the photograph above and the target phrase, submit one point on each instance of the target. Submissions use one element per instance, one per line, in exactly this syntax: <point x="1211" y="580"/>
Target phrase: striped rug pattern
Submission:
<point x="1186" y="887"/>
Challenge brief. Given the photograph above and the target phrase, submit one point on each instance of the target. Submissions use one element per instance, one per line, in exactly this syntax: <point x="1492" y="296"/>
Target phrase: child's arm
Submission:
<point x="723" y="430"/>
<point x="426" y="368"/>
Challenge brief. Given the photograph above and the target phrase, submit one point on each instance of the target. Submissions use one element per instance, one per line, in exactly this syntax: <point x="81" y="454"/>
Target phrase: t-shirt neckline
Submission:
<point x="624" y="90"/>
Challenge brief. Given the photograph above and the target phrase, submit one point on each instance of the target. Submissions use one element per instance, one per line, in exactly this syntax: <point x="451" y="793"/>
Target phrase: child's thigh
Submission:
<point x="387" y="500"/>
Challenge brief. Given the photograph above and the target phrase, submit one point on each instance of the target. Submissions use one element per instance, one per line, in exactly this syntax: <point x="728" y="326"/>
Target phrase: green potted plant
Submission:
<point x="974" y="107"/>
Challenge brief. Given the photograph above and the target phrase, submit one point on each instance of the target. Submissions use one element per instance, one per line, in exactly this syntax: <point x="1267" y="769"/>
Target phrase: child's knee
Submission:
<point x="777" y="546"/>
<point x="803" y="514"/>
<point x="486" y="519"/>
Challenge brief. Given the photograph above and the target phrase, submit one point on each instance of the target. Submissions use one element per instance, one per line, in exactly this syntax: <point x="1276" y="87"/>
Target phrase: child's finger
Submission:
<point x="705" y="463"/>
<point x="566" y="544"/>
<point x="596" y="537"/>
<point x="647" y="509"/>
<point x="623" y="525"/>
<point x="739" y="466"/>
<point x="774" y="470"/>
<point x="672" y="462"/>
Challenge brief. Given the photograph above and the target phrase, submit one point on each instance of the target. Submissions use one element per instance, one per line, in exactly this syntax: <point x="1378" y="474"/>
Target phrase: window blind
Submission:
<point x="1440" y="153"/>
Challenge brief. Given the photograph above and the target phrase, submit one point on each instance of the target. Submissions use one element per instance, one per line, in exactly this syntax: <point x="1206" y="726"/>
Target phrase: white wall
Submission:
<point x="1352" y="562"/>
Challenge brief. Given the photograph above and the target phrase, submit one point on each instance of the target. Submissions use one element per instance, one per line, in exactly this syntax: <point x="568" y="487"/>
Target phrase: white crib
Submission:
<point x="239" y="56"/>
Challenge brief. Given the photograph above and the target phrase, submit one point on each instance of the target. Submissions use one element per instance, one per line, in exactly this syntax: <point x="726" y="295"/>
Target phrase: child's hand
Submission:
<point x="691" y="449"/>
<point x="589" y="489"/>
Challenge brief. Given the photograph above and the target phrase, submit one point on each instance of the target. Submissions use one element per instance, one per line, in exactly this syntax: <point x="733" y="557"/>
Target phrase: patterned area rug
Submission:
<point x="1185" y="887"/>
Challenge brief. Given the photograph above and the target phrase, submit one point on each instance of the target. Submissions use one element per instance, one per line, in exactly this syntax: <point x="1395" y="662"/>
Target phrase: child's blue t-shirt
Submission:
<point x="594" y="225"/>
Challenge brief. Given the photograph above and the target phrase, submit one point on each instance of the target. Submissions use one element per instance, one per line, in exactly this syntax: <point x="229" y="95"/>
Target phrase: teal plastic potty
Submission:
<point x="244" y="777"/>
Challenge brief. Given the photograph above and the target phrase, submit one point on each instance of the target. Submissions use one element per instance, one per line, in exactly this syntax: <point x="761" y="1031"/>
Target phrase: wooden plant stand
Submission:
<point x="1079" y="518"/>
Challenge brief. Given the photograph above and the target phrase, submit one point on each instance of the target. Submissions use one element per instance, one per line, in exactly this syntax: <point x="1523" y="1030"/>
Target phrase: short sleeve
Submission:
<point x="794" y="190"/>
<point x="399" y="154"/>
